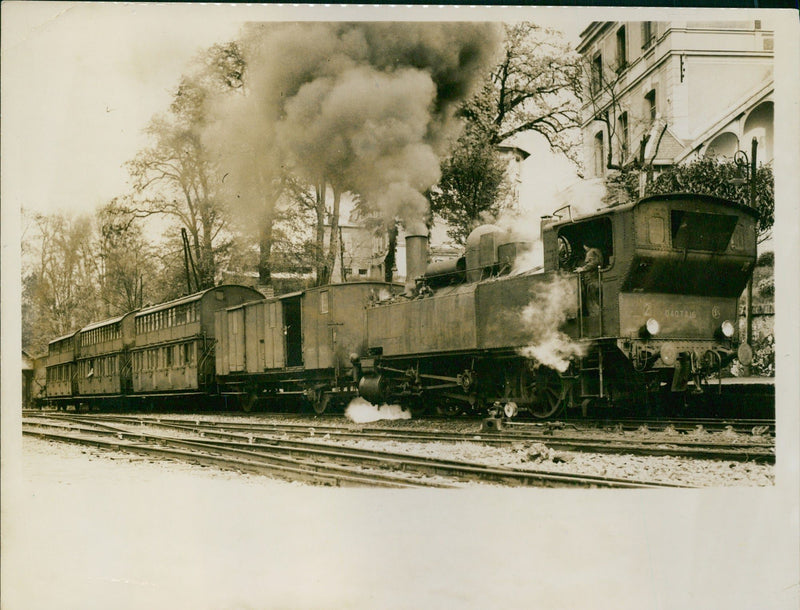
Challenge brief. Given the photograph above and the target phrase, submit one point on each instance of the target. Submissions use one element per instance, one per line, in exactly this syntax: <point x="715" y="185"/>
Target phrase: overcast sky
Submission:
<point x="81" y="81"/>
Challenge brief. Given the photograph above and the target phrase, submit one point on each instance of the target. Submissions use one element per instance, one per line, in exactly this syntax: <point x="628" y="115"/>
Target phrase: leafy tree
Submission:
<point x="472" y="180"/>
<point x="534" y="87"/>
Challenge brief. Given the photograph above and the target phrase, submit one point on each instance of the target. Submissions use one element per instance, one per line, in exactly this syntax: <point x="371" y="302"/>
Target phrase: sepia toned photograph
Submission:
<point x="360" y="307"/>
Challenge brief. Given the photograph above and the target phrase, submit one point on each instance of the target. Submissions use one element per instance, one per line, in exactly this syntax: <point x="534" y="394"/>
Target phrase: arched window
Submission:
<point x="650" y="109"/>
<point x="624" y="138"/>
<point x="724" y="146"/>
<point x="760" y="125"/>
<point x="599" y="158"/>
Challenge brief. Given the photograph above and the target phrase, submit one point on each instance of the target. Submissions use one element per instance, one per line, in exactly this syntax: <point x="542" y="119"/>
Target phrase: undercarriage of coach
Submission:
<point x="318" y="391"/>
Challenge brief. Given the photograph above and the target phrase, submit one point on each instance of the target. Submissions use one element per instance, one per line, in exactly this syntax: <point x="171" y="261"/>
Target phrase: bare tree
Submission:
<point x="59" y="277"/>
<point x="178" y="176"/>
<point x="126" y="260"/>
<point x="534" y="87"/>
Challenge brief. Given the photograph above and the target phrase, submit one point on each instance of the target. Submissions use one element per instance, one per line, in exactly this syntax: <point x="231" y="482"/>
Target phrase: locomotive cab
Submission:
<point x="692" y="258"/>
<point x="572" y="240"/>
<point x="673" y="267"/>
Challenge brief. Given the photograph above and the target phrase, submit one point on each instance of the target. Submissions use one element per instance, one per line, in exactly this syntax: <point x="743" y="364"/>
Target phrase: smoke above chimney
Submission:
<point x="368" y="107"/>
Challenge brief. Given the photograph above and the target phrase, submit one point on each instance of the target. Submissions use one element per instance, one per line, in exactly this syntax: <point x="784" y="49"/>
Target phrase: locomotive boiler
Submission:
<point x="658" y="314"/>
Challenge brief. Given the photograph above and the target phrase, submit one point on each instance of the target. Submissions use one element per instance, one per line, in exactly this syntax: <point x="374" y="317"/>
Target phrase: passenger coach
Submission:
<point x="104" y="363"/>
<point x="173" y="353"/>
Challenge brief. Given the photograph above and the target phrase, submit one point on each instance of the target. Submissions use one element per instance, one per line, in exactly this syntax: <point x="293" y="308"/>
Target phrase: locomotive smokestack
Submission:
<point x="416" y="254"/>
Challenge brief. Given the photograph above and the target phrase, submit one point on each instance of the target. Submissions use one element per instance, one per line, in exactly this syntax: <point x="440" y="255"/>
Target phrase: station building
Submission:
<point x="670" y="91"/>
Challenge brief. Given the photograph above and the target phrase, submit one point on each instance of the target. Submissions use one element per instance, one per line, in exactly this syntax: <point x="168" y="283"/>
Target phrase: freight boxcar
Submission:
<point x="301" y="344"/>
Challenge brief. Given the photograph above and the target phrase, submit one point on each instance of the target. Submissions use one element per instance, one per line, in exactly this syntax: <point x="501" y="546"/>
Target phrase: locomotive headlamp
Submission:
<point x="653" y="327"/>
<point x="727" y="328"/>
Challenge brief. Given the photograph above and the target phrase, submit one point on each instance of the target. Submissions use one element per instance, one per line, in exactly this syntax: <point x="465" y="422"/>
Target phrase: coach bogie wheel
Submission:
<point x="249" y="401"/>
<point x="320" y="402"/>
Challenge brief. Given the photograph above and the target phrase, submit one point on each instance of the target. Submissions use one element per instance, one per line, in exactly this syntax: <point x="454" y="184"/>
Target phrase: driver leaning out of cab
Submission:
<point x="593" y="259"/>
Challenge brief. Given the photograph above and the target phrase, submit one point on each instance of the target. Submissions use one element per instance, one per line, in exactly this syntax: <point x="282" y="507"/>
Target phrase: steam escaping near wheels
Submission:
<point x="542" y="319"/>
<point x="360" y="411"/>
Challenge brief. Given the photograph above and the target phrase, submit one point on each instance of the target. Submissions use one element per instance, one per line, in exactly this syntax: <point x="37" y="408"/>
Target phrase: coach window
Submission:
<point x="323" y="302"/>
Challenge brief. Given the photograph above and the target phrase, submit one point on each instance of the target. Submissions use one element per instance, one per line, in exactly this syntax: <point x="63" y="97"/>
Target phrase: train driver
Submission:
<point x="592" y="260"/>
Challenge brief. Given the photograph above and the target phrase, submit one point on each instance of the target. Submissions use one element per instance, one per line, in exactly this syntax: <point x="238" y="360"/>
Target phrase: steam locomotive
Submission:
<point x="482" y="332"/>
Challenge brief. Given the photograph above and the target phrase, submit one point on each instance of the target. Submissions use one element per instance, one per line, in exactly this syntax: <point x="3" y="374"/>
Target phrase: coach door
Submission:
<point x="293" y="331"/>
<point x="236" y="337"/>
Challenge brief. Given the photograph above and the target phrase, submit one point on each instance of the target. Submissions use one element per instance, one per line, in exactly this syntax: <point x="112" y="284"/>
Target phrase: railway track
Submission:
<point x="311" y="461"/>
<point x="567" y="437"/>
<point x="676" y="424"/>
<point x="719" y="447"/>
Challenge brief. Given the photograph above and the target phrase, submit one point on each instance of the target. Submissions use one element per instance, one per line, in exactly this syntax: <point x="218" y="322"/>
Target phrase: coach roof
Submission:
<point x="102" y="323"/>
<point x="191" y="298"/>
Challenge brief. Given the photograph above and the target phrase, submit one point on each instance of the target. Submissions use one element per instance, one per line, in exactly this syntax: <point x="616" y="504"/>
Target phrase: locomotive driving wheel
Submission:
<point x="414" y="405"/>
<point x="543" y="391"/>
<point x="449" y="407"/>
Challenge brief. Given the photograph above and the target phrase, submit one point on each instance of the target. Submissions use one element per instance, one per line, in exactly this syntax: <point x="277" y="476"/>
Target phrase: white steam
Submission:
<point x="524" y="225"/>
<point x="361" y="412"/>
<point x="531" y="260"/>
<point x="542" y="319"/>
